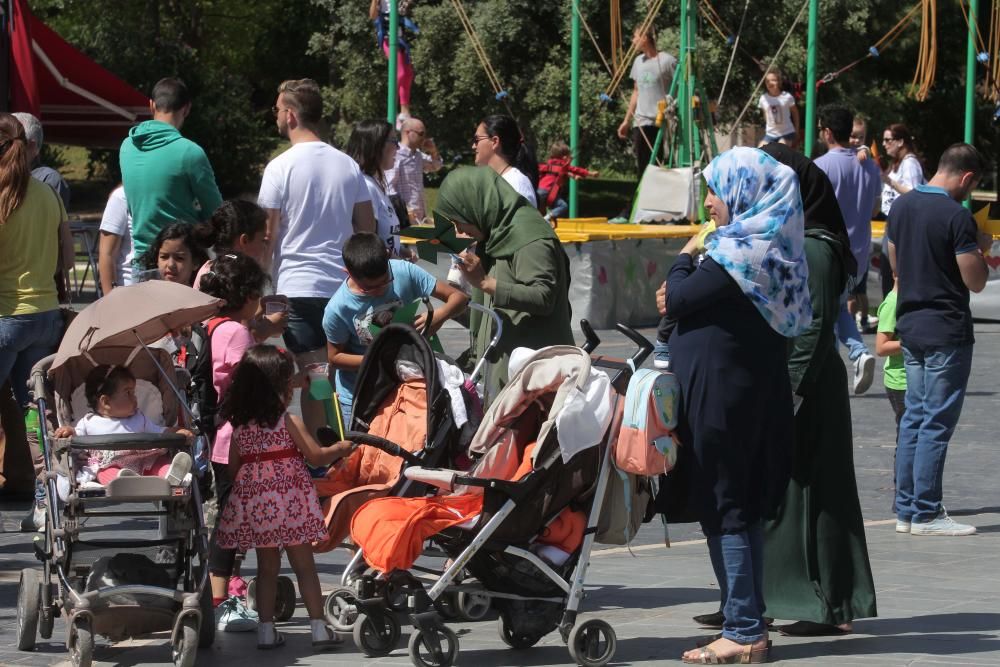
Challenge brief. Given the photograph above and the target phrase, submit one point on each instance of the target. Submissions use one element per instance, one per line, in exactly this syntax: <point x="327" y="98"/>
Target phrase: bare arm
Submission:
<point x="454" y="303"/>
<point x="887" y="345"/>
<point x="891" y="254"/>
<point x="373" y="10"/>
<point x="311" y="450"/>
<point x="342" y="360"/>
<point x="633" y="101"/>
<point x="974" y="270"/>
<point x="363" y="217"/>
<point x="273" y="222"/>
<point x="107" y="252"/>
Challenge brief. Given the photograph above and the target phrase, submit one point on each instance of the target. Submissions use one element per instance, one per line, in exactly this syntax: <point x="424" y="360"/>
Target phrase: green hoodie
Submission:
<point x="167" y="179"/>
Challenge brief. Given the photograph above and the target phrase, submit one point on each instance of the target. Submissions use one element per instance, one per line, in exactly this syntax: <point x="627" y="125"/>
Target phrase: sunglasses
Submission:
<point x="371" y="289"/>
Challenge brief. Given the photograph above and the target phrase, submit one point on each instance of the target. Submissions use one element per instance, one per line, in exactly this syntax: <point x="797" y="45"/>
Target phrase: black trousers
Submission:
<point x="220" y="561"/>
<point x="643" y="147"/>
<point x="897" y="399"/>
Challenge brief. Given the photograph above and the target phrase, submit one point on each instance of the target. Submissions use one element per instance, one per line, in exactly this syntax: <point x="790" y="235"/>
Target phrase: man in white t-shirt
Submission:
<point x="316" y="198"/>
<point x="652" y="72"/>
<point x="114" y="256"/>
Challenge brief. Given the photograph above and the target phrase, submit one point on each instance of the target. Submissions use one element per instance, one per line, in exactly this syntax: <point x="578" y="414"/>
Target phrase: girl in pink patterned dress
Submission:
<point x="273" y="504"/>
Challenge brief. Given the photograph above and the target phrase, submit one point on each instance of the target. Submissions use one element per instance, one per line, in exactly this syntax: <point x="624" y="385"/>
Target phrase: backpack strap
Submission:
<point x="214" y="323"/>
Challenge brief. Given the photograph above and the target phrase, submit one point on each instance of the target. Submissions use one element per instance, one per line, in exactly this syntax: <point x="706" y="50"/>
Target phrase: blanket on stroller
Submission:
<point x="392" y="531"/>
<point x="369" y="472"/>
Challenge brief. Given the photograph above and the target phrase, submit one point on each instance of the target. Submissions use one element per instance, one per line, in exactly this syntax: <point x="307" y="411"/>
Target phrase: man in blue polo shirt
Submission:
<point x="936" y="251"/>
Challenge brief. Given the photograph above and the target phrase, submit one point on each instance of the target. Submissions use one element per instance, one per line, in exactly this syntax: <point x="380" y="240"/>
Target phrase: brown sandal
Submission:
<point x="701" y="643"/>
<point x="749" y="656"/>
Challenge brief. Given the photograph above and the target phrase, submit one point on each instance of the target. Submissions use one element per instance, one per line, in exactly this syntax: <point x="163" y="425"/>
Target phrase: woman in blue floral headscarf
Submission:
<point x="735" y="312"/>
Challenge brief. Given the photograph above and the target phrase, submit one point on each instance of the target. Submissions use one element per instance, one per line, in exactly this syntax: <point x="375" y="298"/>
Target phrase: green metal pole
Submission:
<point x="574" y="106"/>
<point x="970" y="80"/>
<point x="393" y="38"/>
<point x="683" y="92"/>
<point x="692" y="86"/>
<point x="810" y="129"/>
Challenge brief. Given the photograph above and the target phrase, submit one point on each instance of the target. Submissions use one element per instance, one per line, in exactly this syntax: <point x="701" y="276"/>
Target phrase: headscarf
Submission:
<point x="819" y="200"/>
<point x="762" y="246"/>
<point x="480" y="197"/>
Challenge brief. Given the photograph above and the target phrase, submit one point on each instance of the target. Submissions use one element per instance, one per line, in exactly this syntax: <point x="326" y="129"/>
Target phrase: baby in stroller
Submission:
<point x="110" y="392"/>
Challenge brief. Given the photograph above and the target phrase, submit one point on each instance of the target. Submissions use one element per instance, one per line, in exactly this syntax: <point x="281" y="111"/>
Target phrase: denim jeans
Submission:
<point x="935" y="390"/>
<point x="24" y="341"/>
<point x="738" y="561"/>
<point x="847" y="332"/>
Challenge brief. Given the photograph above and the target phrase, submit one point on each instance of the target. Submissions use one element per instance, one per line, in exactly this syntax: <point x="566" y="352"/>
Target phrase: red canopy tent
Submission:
<point x="78" y="101"/>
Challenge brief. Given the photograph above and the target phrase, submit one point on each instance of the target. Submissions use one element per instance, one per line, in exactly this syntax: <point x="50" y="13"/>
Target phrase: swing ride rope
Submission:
<point x="619" y="74"/>
<point x="616" y="32"/>
<point x="593" y="40"/>
<point x="923" y="78"/>
<point x="770" y="65"/>
<point x="991" y="80"/>
<point x="732" y="55"/>
<point x="477" y="46"/>
<point x="708" y="11"/>
<point x="877" y="48"/>
<point x="993" y="69"/>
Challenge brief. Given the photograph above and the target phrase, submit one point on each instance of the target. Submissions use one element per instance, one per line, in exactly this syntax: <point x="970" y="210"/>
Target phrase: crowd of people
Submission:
<point x="753" y="310"/>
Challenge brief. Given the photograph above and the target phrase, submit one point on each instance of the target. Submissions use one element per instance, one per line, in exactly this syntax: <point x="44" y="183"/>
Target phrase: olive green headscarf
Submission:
<point x="480" y="197"/>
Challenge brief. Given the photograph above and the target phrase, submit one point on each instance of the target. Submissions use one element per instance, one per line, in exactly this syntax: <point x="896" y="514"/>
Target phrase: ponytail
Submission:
<point x="512" y="147"/>
<point x="15" y="169"/>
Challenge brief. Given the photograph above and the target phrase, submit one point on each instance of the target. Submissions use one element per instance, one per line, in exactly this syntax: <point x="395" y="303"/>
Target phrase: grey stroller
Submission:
<point x="119" y="559"/>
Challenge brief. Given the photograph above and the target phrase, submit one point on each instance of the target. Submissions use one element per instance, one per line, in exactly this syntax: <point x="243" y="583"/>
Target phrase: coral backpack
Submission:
<point x="645" y="443"/>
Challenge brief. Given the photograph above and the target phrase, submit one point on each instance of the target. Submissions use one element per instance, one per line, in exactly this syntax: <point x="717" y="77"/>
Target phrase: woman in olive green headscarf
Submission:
<point x="519" y="268"/>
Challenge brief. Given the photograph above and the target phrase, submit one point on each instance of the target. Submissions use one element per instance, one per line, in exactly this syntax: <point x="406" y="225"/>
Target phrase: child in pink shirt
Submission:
<point x="239" y="281"/>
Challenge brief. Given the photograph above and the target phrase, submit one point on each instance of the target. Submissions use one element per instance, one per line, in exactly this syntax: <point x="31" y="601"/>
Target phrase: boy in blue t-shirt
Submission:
<point x="375" y="287"/>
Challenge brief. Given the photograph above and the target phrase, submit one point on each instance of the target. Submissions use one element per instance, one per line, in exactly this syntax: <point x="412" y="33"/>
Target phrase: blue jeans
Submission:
<point x="935" y="390"/>
<point x="24" y="341"/>
<point x="738" y="561"/>
<point x="847" y="332"/>
<point x="559" y="206"/>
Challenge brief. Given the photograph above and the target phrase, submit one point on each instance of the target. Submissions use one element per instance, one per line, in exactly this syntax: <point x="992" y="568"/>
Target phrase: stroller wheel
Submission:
<point x="81" y="642"/>
<point x="284" y="604"/>
<point x="434" y="648"/>
<point x="473" y="606"/>
<point x="511" y="638"/>
<point x="284" y="600"/>
<point x="29" y="597"/>
<point x="341" y="609"/>
<point x="592" y="643"/>
<point x="376" y="635"/>
<point x="185" y="646"/>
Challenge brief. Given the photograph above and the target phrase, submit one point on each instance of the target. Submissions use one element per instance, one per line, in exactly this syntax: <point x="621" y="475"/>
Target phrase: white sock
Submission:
<point x="319" y="631"/>
<point x="265" y="633"/>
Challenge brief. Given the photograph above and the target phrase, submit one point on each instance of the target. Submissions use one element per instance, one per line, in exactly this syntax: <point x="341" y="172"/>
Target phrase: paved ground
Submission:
<point x="938" y="598"/>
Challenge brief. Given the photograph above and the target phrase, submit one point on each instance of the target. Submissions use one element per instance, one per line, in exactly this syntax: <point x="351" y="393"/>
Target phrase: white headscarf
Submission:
<point x="762" y="246"/>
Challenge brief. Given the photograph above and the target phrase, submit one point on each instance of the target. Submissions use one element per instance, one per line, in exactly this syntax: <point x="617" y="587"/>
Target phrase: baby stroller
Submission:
<point x="115" y="584"/>
<point x="519" y="489"/>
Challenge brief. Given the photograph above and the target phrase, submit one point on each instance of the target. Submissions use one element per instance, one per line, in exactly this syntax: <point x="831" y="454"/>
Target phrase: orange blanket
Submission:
<point x="369" y="472"/>
<point x="392" y="531"/>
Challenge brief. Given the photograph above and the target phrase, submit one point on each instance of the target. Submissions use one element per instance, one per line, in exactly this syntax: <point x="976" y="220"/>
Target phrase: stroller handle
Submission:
<point x="641" y="342"/>
<point x="591" y="339"/>
<point x="386" y="446"/>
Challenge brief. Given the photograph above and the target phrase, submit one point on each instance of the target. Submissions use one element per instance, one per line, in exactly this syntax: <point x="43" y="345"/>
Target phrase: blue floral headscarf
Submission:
<point x="762" y="246"/>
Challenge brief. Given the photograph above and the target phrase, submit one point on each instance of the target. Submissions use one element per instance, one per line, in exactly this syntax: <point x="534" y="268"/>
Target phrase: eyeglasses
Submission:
<point x="371" y="289"/>
<point x="888" y="140"/>
<point x="476" y="139"/>
<point x="278" y="110"/>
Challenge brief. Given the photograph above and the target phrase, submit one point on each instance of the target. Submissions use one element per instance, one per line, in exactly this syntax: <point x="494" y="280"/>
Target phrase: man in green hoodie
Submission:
<point x="167" y="178"/>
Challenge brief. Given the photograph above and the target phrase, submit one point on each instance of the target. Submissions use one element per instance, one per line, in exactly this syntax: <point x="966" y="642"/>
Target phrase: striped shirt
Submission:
<point x="406" y="178"/>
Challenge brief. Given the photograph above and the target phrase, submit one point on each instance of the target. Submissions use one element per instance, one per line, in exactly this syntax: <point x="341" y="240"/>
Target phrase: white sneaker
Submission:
<point x="902" y="526"/>
<point x="179" y="468"/>
<point x="864" y="373"/>
<point x="942" y="525"/>
<point x="233" y="616"/>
